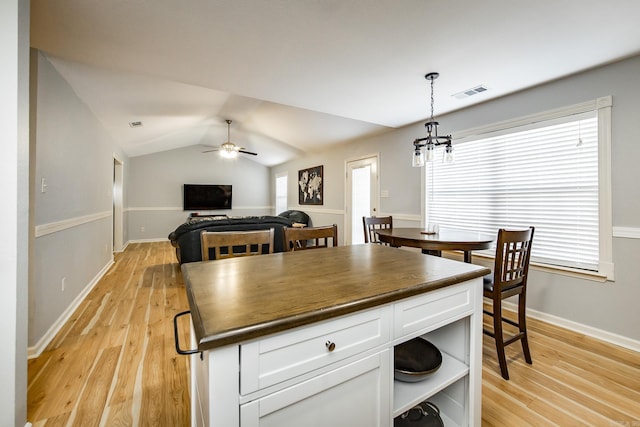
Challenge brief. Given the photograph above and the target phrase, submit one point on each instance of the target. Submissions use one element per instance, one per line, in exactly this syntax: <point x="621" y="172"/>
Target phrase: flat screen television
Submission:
<point x="206" y="197"/>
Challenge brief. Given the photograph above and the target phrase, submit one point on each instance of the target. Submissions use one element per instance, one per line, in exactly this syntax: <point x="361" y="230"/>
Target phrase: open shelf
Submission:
<point x="407" y="395"/>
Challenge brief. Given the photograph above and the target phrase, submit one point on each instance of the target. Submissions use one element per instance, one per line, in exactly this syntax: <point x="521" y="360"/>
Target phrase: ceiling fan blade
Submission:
<point x="247" y="152"/>
<point x="212" y="150"/>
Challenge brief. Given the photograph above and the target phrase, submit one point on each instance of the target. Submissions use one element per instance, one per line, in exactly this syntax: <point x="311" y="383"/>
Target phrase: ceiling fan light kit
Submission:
<point x="229" y="150"/>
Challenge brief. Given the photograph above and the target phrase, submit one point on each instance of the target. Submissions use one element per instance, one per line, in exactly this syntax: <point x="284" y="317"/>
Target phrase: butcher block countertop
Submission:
<point x="238" y="299"/>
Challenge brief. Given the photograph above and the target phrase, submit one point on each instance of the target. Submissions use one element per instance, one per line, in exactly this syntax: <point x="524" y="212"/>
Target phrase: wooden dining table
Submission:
<point x="433" y="244"/>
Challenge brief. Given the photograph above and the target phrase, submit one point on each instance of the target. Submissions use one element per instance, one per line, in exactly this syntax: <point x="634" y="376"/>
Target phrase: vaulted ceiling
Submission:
<point x="297" y="76"/>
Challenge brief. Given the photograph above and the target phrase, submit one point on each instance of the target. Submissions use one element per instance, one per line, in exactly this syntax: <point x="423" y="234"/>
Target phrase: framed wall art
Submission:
<point x="310" y="186"/>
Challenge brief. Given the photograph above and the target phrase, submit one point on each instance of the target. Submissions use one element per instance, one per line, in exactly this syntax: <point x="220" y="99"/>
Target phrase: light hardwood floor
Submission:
<point x="114" y="363"/>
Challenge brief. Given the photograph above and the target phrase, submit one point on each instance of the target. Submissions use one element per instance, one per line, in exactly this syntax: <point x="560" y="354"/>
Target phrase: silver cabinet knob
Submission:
<point x="330" y="345"/>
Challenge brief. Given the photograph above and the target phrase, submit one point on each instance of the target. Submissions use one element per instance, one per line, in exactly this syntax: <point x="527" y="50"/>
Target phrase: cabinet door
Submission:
<point x="354" y="395"/>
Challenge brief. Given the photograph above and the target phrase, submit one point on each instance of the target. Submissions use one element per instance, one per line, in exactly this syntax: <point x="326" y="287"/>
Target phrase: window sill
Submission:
<point x="488" y="261"/>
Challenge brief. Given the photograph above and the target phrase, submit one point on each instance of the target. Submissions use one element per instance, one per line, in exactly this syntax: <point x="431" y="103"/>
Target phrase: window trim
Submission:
<point x="602" y="106"/>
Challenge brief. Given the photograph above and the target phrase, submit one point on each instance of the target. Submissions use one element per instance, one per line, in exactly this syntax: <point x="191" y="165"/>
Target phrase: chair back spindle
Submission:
<point x="372" y="223"/>
<point x="296" y="239"/>
<point x="228" y="244"/>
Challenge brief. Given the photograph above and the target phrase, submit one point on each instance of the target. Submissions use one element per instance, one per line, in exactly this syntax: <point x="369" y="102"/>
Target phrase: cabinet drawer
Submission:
<point x="433" y="309"/>
<point x="357" y="395"/>
<point x="274" y="359"/>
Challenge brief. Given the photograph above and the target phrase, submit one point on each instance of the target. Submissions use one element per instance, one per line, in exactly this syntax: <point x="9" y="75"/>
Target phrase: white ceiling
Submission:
<point x="297" y="76"/>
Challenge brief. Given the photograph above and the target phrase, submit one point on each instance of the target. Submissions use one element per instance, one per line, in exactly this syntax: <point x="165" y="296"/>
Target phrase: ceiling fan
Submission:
<point x="230" y="150"/>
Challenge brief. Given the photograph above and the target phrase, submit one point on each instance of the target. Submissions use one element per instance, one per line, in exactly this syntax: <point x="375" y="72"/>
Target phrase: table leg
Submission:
<point x="467" y="257"/>
<point x="432" y="252"/>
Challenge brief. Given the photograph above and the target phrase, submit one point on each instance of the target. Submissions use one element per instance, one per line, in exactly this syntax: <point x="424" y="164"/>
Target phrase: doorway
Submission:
<point x="362" y="195"/>
<point x="117" y="205"/>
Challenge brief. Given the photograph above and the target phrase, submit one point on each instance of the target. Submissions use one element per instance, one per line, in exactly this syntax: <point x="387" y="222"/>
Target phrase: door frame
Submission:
<point x="118" y="192"/>
<point x="374" y="160"/>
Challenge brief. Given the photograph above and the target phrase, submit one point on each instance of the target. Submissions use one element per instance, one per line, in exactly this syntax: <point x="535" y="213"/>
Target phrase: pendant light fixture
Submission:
<point x="424" y="148"/>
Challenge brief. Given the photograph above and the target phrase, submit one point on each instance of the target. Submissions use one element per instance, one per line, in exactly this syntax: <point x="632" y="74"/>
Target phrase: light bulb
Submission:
<point x="228" y="154"/>
<point x="417" y="158"/>
<point x="431" y="152"/>
<point x="448" y="154"/>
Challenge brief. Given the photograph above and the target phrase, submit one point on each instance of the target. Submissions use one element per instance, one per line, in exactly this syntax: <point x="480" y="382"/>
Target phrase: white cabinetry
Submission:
<point x="450" y="318"/>
<point x="339" y="372"/>
<point x="293" y="354"/>
<point x="356" y="394"/>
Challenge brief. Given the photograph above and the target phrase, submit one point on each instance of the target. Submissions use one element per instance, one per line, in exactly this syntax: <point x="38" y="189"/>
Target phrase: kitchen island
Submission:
<point x="306" y="338"/>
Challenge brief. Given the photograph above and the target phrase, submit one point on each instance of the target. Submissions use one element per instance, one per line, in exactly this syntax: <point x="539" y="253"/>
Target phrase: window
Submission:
<point x="281" y="192"/>
<point x="549" y="170"/>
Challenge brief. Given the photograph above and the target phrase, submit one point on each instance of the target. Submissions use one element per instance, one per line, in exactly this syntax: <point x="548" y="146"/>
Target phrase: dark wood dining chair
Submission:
<point x="228" y="244"/>
<point x="296" y="239"/>
<point x="509" y="278"/>
<point x="372" y="223"/>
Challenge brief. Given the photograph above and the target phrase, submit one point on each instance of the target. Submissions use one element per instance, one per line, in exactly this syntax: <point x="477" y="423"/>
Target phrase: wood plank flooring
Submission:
<point x="574" y="381"/>
<point x="114" y="363"/>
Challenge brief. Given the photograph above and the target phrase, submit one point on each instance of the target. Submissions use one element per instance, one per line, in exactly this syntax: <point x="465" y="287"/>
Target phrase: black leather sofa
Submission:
<point x="296" y="217"/>
<point x="186" y="238"/>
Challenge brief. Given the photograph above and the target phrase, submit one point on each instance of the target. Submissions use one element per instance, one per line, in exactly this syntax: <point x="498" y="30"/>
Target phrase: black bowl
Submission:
<point x="415" y="360"/>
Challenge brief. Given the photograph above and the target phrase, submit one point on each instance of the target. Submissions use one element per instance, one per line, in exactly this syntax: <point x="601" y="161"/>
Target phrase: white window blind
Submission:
<point x="543" y="175"/>
<point x="281" y="193"/>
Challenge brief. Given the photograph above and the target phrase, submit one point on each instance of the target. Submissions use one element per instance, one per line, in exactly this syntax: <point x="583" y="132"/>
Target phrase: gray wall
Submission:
<point x="612" y="307"/>
<point x="154" y="188"/>
<point x="73" y="218"/>
<point x="396" y="176"/>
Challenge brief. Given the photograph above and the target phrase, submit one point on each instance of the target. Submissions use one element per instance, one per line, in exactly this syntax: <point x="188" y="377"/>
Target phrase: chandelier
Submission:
<point x="424" y="148"/>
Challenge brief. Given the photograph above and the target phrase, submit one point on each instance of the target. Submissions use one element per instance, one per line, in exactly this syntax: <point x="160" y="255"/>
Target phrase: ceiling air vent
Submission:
<point x="470" y="92"/>
<point x="135" y="124"/>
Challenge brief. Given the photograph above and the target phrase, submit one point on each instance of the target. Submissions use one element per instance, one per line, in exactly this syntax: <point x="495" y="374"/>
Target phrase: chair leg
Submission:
<point x="498" y="336"/>
<point x="522" y="323"/>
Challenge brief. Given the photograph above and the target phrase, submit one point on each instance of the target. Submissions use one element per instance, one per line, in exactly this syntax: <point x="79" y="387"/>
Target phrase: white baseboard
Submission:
<point x="590" y="331"/>
<point x="35" y="351"/>
<point x="124" y="247"/>
<point x="580" y="328"/>
<point x="157" y="239"/>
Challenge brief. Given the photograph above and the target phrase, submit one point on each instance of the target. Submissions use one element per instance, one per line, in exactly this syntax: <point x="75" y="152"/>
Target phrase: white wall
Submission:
<point x="14" y="190"/>
<point x="73" y="217"/>
<point x="609" y="310"/>
<point x="154" y="188"/>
